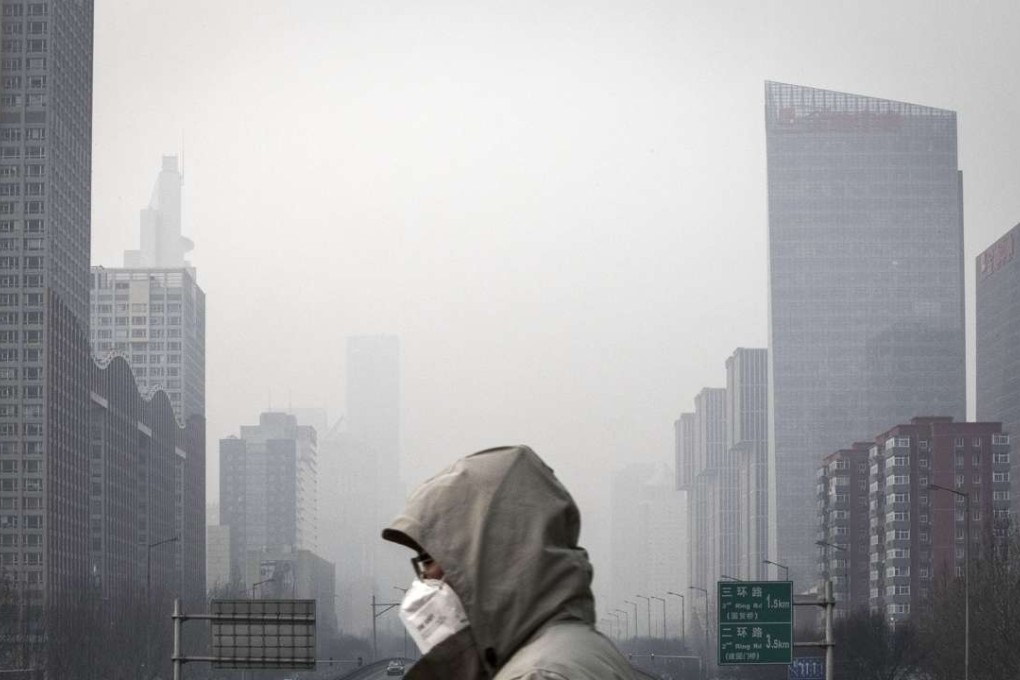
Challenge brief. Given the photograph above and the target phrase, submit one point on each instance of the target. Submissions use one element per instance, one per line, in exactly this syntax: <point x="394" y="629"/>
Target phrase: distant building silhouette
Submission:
<point x="865" y="284"/>
<point x="162" y="246"/>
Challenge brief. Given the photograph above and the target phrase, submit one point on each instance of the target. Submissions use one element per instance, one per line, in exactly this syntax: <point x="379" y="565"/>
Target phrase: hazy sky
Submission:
<point x="558" y="206"/>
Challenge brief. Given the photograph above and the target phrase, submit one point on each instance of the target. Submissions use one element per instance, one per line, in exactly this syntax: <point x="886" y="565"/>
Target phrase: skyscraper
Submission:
<point x="373" y="397"/>
<point x="998" y="337"/>
<point x="161" y="243"/>
<point x="45" y="204"/>
<point x="152" y="311"/>
<point x="747" y="445"/>
<point x="268" y="488"/>
<point x="866" y="285"/>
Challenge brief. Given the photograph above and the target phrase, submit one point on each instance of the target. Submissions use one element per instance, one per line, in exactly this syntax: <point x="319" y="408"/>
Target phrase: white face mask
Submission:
<point x="431" y="612"/>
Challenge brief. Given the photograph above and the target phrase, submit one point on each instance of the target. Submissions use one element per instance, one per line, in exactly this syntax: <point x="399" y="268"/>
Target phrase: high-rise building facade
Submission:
<point x="707" y="478"/>
<point x="45" y="205"/>
<point x="154" y="318"/>
<point x="268" y="490"/>
<point x="866" y="284"/>
<point x="844" y="534"/>
<point x="747" y="445"/>
<point x="147" y="533"/>
<point x="152" y="311"/>
<point x="998" y="337"/>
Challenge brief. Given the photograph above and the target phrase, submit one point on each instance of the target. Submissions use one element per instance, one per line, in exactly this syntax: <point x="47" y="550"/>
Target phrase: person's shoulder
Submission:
<point x="569" y="650"/>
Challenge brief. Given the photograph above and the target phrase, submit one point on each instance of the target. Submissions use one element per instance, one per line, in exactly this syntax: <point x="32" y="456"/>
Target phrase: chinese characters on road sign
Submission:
<point x="755" y="622"/>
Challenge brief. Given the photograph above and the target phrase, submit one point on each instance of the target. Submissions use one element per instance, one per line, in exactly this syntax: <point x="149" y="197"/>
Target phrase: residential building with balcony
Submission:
<point x="916" y="534"/>
<point x="842" y="539"/>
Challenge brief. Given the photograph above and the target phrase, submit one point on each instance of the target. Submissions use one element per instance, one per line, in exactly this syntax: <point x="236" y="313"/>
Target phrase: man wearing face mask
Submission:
<point x="502" y="590"/>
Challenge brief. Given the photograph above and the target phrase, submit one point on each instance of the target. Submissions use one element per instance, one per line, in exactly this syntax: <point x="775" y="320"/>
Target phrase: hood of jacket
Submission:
<point x="505" y="532"/>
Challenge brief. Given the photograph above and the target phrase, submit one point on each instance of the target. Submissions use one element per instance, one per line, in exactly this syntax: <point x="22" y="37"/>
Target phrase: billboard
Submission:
<point x="263" y="633"/>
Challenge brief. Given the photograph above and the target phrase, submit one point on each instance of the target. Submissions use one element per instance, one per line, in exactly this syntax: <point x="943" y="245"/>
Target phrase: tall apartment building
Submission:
<point x="268" y="488"/>
<point x="917" y="534"/>
<point x="45" y="205"/>
<point x="154" y="318"/>
<point x="843" y="534"/>
<point x="747" y="446"/>
<point x="865" y="284"/>
<point x="152" y="311"/>
<point x="998" y="337"/>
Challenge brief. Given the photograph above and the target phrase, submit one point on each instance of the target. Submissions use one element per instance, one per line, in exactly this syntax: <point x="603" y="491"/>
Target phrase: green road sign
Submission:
<point x="755" y="622"/>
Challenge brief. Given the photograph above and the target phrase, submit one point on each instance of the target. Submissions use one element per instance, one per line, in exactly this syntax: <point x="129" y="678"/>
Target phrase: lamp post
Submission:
<point x="634" y="604"/>
<point x="704" y="663"/>
<point x="648" y="610"/>
<point x="148" y="562"/>
<point x="966" y="574"/>
<point x="786" y="569"/>
<point x="616" y="617"/>
<point x="258" y="583"/>
<point x="730" y="578"/>
<point x="663" y="601"/>
<point x="403" y="590"/>
<point x="683" y="616"/>
<point x="626" y="621"/>
<point x="846" y="569"/>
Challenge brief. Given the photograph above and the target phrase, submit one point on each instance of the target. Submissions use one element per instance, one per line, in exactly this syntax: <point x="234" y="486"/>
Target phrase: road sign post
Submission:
<point x="755" y="622"/>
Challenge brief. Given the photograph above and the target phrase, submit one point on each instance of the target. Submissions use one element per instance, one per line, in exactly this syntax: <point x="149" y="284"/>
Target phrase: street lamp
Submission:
<point x="705" y="654"/>
<point x="634" y="604"/>
<point x="786" y="572"/>
<point x="846" y="568"/>
<point x="626" y="621"/>
<point x="258" y="583"/>
<point x="148" y="562"/>
<point x="663" y="601"/>
<point x="616" y="617"/>
<point x="648" y="610"/>
<point x="683" y="616"/>
<point x="730" y="578"/>
<point x="966" y="575"/>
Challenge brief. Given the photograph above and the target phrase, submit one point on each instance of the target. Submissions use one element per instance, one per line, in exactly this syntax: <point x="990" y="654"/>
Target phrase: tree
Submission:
<point x="994" y="633"/>
<point x="870" y="648"/>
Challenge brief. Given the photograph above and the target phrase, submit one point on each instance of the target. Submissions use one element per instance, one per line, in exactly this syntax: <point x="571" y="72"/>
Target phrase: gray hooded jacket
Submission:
<point x="505" y="532"/>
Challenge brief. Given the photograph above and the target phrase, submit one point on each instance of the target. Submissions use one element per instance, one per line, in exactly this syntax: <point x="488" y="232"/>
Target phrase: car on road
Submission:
<point x="395" y="668"/>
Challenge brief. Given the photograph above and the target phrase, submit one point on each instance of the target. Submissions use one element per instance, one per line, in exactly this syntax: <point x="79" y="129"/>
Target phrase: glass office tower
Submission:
<point x="866" y="317"/>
